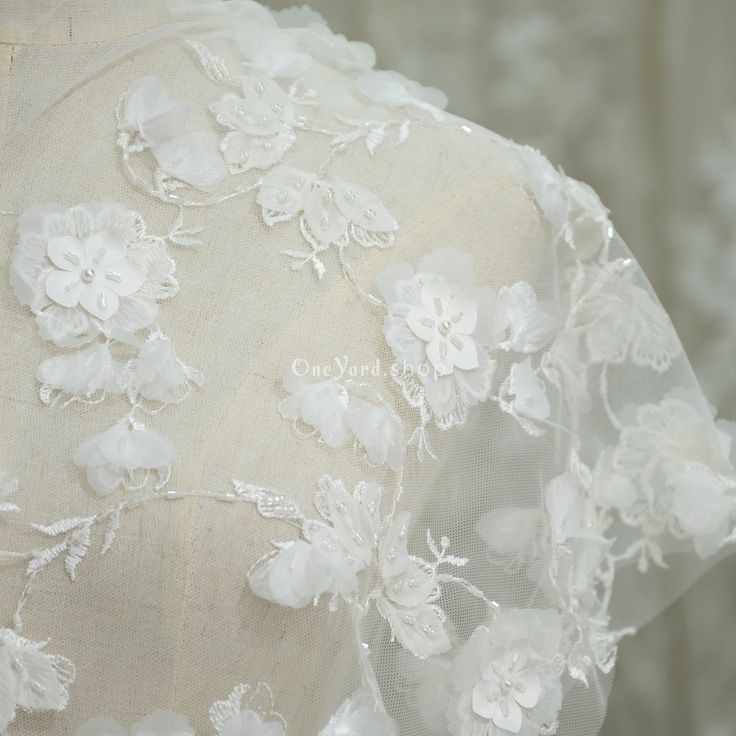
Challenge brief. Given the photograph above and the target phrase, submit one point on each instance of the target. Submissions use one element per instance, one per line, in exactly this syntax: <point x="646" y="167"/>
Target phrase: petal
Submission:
<point x="463" y="313"/>
<point x="135" y="312"/>
<point x="528" y="688"/>
<point x="362" y="207"/>
<point x="104" y="248"/>
<point x="492" y="322"/>
<point x="99" y="302"/>
<point x="284" y="190"/>
<point x="422" y="323"/>
<point x="105" y="479"/>
<point x="193" y="158"/>
<point x="462" y="351"/>
<point x="438" y="352"/>
<point x="65" y="252"/>
<point x="485" y="695"/>
<point x="52" y="674"/>
<point x="149" y="111"/>
<point x="123" y="278"/>
<point x="436" y="297"/>
<point x="251" y="116"/>
<point x="508" y="715"/>
<point x="420" y="629"/>
<point x="243" y="152"/>
<point x="474" y="385"/>
<point x="404" y="344"/>
<point x="64" y="288"/>
<point x="324" y="220"/>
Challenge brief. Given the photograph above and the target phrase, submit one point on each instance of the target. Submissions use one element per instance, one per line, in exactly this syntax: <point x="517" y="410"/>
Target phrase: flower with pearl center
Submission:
<point x="509" y="684"/>
<point x="92" y="272"/>
<point x="446" y="323"/>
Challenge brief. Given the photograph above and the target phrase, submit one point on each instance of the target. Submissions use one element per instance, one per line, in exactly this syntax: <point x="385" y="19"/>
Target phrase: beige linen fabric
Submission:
<point x="165" y="619"/>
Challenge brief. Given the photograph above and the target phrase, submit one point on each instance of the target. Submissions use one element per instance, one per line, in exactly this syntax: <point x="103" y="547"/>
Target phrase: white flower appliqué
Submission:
<point x="338" y="413"/>
<point x="680" y="463"/>
<point x="30" y="679"/>
<point x="442" y="329"/>
<point x="504" y="680"/>
<point x="352" y="539"/>
<point x="149" y="119"/>
<point x="88" y="269"/>
<point x="260" y="123"/>
<point x="330" y="212"/>
<point x="158" y="374"/>
<point x="125" y="454"/>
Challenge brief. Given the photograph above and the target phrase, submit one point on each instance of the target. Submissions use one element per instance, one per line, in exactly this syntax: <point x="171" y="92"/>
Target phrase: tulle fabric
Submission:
<point x="580" y="489"/>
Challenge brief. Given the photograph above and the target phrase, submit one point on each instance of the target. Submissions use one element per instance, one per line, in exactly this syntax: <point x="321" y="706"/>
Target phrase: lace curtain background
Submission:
<point x="639" y="99"/>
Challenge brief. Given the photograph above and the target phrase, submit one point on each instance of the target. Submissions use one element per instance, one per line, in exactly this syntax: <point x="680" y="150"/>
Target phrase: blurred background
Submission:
<point x="638" y="98"/>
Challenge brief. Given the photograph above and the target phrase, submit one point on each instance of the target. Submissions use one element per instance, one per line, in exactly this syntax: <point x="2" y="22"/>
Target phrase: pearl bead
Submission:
<point x="88" y="275"/>
<point x="444" y="327"/>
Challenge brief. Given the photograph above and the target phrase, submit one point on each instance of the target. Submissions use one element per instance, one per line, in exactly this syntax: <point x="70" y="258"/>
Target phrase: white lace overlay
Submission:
<point x="491" y="634"/>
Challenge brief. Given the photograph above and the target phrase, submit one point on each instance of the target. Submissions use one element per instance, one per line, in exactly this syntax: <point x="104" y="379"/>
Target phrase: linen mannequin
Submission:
<point x="232" y="430"/>
<point x="165" y="619"/>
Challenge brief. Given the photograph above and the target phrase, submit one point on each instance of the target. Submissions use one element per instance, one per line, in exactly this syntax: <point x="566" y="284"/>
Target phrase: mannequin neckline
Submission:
<point x="71" y="22"/>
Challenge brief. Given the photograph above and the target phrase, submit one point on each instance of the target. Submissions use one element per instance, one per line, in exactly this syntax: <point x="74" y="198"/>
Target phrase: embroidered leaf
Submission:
<point x="79" y="541"/>
<point x="112" y="529"/>
<point x="41" y="558"/>
<point x="375" y="138"/>
<point x="270" y="504"/>
<point x="60" y="527"/>
<point x="214" y="66"/>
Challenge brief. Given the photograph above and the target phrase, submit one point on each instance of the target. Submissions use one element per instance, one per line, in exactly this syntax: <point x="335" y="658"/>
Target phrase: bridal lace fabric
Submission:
<point x="324" y="411"/>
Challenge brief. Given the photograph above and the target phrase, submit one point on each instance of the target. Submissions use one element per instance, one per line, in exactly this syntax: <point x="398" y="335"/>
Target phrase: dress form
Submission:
<point x="167" y="611"/>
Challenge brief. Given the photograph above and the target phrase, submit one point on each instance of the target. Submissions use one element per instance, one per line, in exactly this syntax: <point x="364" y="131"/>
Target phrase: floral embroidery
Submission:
<point x="30" y="679"/>
<point x="331" y="212"/>
<point x="260" y="122"/>
<point x="619" y="320"/>
<point x="92" y="270"/>
<point x="680" y="465"/>
<point x="423" y="335"/>
<point x="349" y="540"/>
<point x="150" y="120"/>
<point x="159" y="723"/>
<point x="89" y="269"/>
<point x="158" y="374"/>
<point x="88" y="375"/>
<point x="505" y="680"/>
<point x="338" y="413"/>
<point x="122" y="453"/>
<point x="442" y="329"/>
